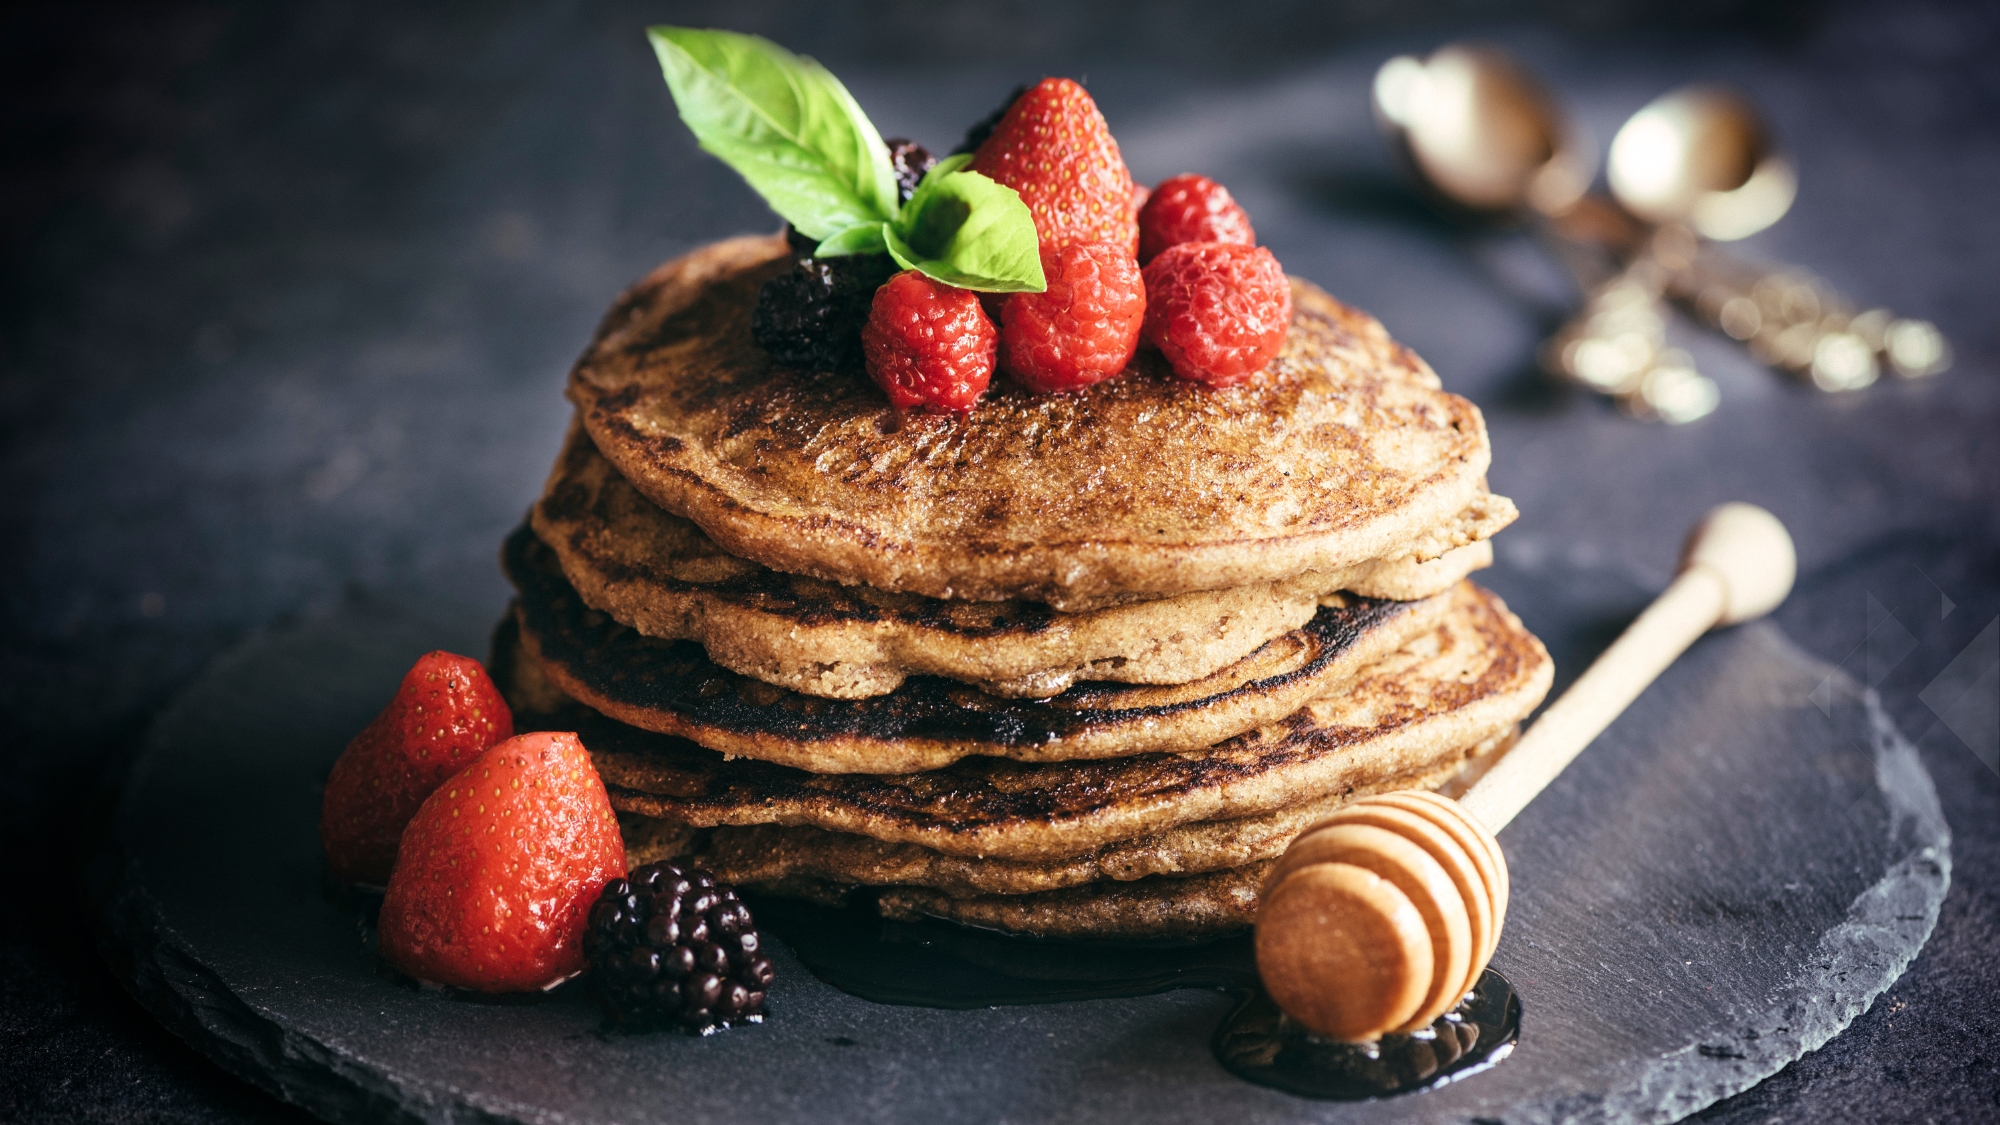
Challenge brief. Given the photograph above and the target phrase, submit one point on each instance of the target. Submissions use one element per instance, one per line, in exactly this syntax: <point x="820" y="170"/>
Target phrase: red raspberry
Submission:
<point x="1191" y="209"/>
<point x="928" y="344"/>
<point x="1217" y="310"/>
<point x="1084" y="327"/>
<point x="1053" y="147"/>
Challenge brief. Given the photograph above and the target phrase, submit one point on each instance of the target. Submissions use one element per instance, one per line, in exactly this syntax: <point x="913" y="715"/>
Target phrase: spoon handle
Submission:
<point x="1675" y="620"/>
<point x="1794" y="321"/>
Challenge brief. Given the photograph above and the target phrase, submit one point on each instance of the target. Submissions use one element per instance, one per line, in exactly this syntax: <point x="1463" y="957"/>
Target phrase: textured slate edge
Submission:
<point x="197" y="1006"/>
<point x="1883" y="933"/>
<point x="162" y="974"/>
<point x="1886" y="927"/>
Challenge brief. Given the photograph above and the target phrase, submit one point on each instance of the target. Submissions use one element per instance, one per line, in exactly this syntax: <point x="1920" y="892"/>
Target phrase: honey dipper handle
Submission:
<point x="1738" y="564"/>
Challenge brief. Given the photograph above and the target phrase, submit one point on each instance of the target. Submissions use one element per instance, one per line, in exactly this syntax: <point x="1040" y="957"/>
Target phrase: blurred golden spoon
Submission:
<point x="1701" y="156"/>
<point x="1480" y="132"/>
<point x="1476" y="128"/>
<point x="1485" y="137"/>
<point x="1699" y="163"/>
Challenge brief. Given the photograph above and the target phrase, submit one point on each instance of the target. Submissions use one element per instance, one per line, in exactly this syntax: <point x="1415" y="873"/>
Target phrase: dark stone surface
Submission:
<point x="1738" y="867"/>
<point x="288" y="293"/>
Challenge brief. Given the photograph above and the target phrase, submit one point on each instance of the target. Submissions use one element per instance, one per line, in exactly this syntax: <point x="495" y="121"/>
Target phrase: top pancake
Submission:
<point x="1344" y="450"/>
<point x="659" y="574"/>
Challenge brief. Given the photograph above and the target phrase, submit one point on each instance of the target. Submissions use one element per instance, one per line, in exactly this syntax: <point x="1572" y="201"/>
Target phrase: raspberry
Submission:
<point x="928" y="344"/>
<point x="1217" y="310"/>
<point x="1054" y="148"/>
<point x="1191" y="209"/>
<point x="1084" y="328"/>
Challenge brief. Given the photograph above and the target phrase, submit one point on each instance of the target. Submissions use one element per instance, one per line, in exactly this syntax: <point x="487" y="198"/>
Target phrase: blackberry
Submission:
<point x="810" y="316"/>
<point x="910" y="160"/>
<point x="671" y="945"/>
<point x="976" y="136"/>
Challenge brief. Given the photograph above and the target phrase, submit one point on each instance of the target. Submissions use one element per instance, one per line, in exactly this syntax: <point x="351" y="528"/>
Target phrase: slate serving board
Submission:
<point x="1729" y="876"/>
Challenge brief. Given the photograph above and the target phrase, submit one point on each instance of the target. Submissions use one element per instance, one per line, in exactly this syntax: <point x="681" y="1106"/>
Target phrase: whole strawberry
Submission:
<point x="929" y="345"/>
<point x="1053" y="147"/>
<point x="498" y="869"/>
<point x="1191" y="209"/>
<point x="1216" y="310"/>
<point x="1083" y="328"/>
<point x="446" y="713"/>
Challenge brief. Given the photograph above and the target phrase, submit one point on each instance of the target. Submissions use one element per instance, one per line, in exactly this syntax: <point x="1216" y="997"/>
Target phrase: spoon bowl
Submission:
<point x="1478" y="130"/>
<point x="1701" y="155"/>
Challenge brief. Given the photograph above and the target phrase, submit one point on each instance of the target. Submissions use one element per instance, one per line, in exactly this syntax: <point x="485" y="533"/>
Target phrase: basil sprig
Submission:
<point x="797" y="136"/>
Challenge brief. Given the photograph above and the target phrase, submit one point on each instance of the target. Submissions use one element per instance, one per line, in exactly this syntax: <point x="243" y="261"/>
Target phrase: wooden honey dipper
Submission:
<point x="1380" y="918"/>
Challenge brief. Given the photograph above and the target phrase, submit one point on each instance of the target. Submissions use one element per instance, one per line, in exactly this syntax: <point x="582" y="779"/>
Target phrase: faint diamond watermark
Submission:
<point x="1965" y="695"/>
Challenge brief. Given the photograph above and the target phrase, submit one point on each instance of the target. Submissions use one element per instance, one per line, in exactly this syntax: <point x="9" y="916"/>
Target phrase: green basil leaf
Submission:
<point x="868" y="238"/>
<point x="784" y="123"/>
<point x="966" y="230"/>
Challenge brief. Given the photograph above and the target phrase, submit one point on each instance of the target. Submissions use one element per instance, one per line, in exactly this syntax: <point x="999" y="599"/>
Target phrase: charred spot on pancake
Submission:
<point x="621" y="667"/>
<point x="1034" y="812"/>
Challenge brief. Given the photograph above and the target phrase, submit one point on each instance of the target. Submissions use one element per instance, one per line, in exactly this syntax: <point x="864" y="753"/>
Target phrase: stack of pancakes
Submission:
<point x="1076" y="665"/>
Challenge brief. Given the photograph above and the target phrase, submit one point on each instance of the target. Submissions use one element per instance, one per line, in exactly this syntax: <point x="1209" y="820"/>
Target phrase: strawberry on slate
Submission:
<point x="499" y="867"/>
<point x="446" y="713"/>
<point x="1053" y="147"/>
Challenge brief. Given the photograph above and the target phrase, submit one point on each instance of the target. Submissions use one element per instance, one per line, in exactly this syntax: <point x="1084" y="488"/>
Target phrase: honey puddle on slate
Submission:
<point x="937" y="964"/>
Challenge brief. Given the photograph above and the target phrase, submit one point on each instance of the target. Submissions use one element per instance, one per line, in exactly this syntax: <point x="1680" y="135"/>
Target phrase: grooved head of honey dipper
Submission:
<point x="1352" y="958"/>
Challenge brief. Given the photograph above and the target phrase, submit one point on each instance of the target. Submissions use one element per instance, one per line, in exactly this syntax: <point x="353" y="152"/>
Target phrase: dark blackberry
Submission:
<point x="671" y="945"/>
<point x="910" y="160"/>
<point x="810" y="316"/>
<point x="976" y="136"/>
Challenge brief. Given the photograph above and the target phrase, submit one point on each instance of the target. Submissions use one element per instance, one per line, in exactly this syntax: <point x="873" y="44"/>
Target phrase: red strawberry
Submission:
<point x="446" y="713"/>
<point x="1053" y="147"/>
<point x="493" y="886"/>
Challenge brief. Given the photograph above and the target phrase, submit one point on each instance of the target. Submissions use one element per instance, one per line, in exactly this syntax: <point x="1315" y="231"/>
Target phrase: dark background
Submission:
<point x="287" y="293"/>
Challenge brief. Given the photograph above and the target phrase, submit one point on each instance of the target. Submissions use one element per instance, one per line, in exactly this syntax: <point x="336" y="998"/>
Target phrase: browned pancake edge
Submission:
<point x="1468" y="680"/>
<point x="1343" y="450"/>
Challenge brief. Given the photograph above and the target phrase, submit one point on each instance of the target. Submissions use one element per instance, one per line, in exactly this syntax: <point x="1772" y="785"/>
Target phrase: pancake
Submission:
<point x="1468" y="680"/>
<point x="772" y="856"/>
<point x="659" y="574"/>
<point x="1343" y="451"/>
<point x="1159" y="907"/>
<point x="673" y="688"/>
